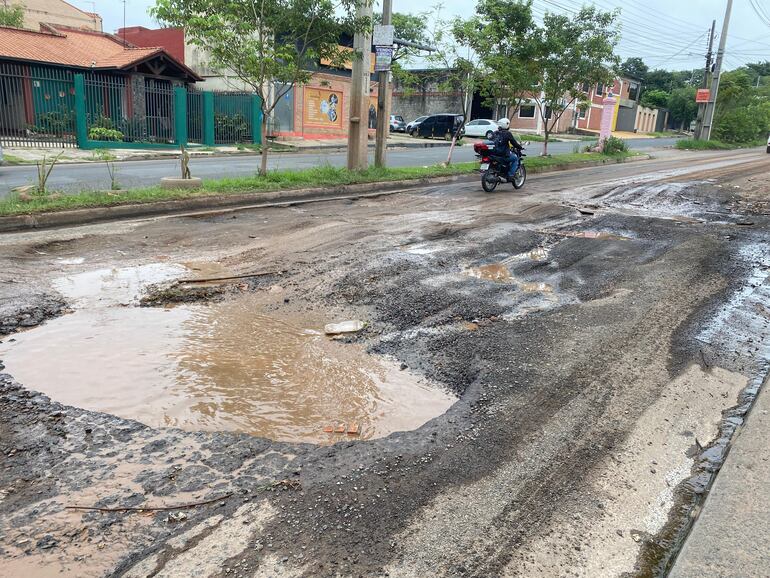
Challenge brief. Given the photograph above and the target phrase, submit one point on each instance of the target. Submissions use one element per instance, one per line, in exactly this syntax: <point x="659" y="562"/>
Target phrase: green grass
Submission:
<point x="13" y="160"/>
<point x="689" y="144"/>
<point x="321" y="177"/>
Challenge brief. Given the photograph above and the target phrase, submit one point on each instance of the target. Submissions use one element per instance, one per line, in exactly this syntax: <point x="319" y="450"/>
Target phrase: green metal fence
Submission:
<point x="37" y="106"/>
<point x="56" y="107"/>
<point x="118" y="112"/>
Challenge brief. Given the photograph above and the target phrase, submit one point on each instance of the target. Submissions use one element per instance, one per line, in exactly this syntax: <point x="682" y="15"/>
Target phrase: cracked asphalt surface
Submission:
<point x="592" y="379"/>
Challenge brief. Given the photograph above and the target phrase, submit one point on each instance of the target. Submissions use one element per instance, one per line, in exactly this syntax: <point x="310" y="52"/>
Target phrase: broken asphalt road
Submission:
<point x="593" y="354"/>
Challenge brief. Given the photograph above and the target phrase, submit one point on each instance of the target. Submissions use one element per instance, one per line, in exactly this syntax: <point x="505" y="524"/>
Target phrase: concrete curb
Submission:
<point x="243" y="201"/>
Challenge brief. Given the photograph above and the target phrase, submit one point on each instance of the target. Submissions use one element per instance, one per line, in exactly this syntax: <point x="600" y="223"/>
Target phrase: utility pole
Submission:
<point x="383" y="99"/>
<point x="705" y="83"/>
<point x="358" y="115"/>
<point x="708" y="120"/>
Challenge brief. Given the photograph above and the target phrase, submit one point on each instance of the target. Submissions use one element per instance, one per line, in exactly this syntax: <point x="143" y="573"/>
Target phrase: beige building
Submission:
<point x="55" y="12"/>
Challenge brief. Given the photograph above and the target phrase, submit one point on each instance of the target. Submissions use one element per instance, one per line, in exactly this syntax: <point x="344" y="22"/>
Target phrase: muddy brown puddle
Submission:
<point x="223" y="366"/>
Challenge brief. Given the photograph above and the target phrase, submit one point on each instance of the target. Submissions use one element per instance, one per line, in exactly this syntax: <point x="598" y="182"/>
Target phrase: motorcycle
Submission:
<point x="494" y="167"/>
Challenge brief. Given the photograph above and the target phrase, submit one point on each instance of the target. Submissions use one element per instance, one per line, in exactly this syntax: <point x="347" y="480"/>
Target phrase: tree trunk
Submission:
<point x="547" y="135"/>
<point x="452" y="147"/>
<point x="263" y="145"/>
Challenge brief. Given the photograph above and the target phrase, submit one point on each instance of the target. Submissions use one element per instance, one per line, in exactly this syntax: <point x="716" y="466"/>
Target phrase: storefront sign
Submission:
<point x="323" y="108"/>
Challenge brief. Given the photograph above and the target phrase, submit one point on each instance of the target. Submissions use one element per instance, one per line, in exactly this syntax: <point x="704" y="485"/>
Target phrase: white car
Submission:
<point x="768" y="145"/>
<point x="481" y="127"/>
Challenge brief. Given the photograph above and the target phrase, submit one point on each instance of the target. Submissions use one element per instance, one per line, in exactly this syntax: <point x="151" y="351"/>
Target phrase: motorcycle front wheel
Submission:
<point x="519" y="177"/>
<point x="489" y="181"/>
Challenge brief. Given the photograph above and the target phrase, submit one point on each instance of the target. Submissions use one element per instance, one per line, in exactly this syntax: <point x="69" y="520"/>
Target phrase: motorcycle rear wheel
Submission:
<point x="489" y="181"/>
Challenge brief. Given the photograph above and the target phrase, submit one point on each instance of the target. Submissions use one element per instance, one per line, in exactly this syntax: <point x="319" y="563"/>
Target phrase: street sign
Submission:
<point x="383" y="58"/>
<point x="383" y="35"/>
<point x="702" y="95"/>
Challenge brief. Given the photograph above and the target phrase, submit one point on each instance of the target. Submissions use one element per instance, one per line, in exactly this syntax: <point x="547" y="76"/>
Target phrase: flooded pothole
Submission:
<point x="223" y="366"/>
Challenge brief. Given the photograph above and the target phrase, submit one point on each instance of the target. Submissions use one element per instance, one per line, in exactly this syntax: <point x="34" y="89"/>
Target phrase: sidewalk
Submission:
<point x="28" y="155"/>
<point x="731" y="538"/>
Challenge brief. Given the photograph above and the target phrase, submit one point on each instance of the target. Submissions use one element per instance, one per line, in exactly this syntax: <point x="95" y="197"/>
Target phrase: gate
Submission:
<point x="37" y="106"/>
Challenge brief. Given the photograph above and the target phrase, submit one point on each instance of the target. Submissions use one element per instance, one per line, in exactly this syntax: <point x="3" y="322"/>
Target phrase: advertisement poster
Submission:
<point x="323" y="108"/>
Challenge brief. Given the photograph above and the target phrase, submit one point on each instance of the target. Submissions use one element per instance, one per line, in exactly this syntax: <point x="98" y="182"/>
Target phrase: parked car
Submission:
<point x="440" y="125"/>
<point x="481" y="127"/>
<point x="768" y="145"/>
<point x="410" y="128"/>
<point x="397" y="123"/>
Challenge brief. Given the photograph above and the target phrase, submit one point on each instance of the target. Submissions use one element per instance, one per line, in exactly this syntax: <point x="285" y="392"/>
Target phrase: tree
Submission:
<point x="682" y="106"/>
<point x="499" y="34"/>
<point x="267" y="44"/>
<point x="635" y="67"/>
<point x="456" y="69"/>
<point x="655" y="98"/>
<point x="12" y="16"/>
<point x="567" y="52"/>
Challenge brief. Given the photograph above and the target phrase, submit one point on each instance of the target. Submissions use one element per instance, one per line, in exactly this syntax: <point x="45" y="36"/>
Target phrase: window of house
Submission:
<point x="547" y="112"/>
<point x="585" y="87"/>
<point x="599" y="89"/>
<point x="527" y="111"/>
<point x="633" y="91"/>
<point x="582" y="113"/>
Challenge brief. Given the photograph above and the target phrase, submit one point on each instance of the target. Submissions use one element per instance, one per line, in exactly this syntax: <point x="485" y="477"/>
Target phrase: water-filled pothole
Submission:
<point x="221" y="366"/>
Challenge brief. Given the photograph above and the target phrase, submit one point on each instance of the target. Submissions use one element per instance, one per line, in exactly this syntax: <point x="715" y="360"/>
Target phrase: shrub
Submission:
<point x="614" y="146"/>
<point x="105" y="134"/>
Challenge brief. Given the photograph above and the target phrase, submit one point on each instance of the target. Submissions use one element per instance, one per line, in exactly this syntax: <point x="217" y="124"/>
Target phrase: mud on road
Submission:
<point x="603" y="332"/>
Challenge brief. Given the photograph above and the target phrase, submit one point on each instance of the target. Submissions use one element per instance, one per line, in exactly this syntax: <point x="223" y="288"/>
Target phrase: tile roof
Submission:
<point x="71" y="47"/>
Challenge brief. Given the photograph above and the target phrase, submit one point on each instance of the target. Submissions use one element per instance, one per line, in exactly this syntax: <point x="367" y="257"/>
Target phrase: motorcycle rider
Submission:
<point x="505" y="144"/>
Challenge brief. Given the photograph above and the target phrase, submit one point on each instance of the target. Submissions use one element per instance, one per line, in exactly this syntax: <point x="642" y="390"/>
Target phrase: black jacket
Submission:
<point x="504" y="140"/>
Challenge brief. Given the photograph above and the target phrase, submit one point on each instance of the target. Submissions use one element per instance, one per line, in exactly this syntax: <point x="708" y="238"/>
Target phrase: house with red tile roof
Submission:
<point x="129" y="88"/>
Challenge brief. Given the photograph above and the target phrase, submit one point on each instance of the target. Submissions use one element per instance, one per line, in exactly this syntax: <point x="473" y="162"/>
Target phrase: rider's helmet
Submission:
<point x="504" y="123"/>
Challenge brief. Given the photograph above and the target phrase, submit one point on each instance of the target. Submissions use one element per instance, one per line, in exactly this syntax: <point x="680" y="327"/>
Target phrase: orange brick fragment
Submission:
<point x="340" y="428"/>
<point x="353" y="429"/>
<point x="329" y="429"/>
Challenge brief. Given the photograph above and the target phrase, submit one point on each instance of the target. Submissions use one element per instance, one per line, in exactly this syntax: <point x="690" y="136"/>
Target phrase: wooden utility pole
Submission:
<point x="706" y="81"/>
<point x="358" y="114"/>
<point x="708" y="120"/>
<point x="383" y="99"/>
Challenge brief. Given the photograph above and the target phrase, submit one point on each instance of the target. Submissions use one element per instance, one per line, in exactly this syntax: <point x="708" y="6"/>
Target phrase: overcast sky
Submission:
<point x="665" y="33"/>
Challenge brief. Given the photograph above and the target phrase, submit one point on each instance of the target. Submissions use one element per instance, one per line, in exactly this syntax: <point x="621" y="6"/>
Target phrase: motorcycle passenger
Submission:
<point x="505" y="144"/>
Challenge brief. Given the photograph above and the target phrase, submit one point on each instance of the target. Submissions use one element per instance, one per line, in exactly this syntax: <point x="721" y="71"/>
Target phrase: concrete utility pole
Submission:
<point x="708" y="120"/>
<point x="358" y="115"/>
<point x="705" y="83"/>
<point x="383" y="99"/>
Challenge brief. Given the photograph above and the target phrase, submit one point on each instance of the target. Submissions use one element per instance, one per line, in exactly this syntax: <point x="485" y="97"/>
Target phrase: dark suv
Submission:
<point x="440" y="125"/>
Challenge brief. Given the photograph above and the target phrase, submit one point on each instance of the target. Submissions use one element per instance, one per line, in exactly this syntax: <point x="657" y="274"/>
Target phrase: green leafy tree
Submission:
<point x="655" y="98"/>
<point x="635" y="67"/>
<point x="567" y="52"/>
<point x="742" y="112"/>
<point x="682" y="106"/>
<point x="499" y="34"/>
<point x="12" y="16"/>
<point x="457" y="69"/>
<point x="268" y="44"/>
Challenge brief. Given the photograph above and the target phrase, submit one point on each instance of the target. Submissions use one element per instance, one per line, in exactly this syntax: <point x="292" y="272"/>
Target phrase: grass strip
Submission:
<point x="277" y="180"/>
<point x="713" y="145"/>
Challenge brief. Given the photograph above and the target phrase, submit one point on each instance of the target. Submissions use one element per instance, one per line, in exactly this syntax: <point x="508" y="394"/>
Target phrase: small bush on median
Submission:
<point x="614" y="146"/>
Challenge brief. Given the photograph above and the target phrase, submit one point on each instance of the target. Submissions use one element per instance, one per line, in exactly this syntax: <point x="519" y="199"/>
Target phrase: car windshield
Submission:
<point x="400" y="118"/>
<point x="420" y="119"/>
